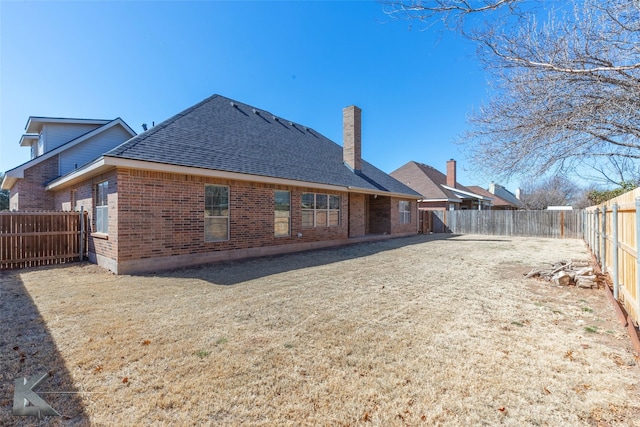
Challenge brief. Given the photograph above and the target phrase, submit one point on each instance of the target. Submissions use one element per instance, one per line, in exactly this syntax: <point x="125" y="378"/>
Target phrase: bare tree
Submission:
<point x="553" y="191"/>
<point x="4" y="196"/>
<point x="566" y="80"/>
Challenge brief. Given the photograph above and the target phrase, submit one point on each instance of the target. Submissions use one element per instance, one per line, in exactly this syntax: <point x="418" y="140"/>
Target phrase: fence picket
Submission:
<point x="30" y="239"/>
<point x="556" y="224"/>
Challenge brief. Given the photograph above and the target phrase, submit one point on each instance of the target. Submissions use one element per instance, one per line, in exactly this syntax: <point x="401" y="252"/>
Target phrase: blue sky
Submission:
<point x="304" y="61"/>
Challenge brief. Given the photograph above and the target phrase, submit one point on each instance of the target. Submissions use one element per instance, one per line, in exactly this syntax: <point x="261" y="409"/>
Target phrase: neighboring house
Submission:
<point x="439" y="191"/>
<point x="223" y="180"/>
<point x="508" y="196"/>
<point x="498" y="202"/>
<point x="58" y="146"/>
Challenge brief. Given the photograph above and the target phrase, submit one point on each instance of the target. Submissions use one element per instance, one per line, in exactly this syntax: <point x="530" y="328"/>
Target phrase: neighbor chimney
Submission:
<point x="351" y="135"/>
<point x="518" y="194"/>
<point x="451" y="173"/>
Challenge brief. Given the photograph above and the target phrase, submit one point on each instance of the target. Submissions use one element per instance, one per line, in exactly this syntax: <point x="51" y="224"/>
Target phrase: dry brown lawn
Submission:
<point x="416" y="331"/>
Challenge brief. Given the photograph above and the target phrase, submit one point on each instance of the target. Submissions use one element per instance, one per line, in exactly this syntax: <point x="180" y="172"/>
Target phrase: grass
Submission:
<point x="371" y="334"/>
<point x="202" y="353"/>
<point x="591" y="329"/>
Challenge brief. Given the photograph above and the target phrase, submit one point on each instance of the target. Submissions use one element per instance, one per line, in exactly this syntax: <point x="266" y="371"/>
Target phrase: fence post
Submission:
<point x="615" y="266"/>
<point x="637" y="257"/>
<point x="81" y="232"/>
<point x="589" y="235"/>
<point x="596" y="234"/>
<point x="603" y="240"/>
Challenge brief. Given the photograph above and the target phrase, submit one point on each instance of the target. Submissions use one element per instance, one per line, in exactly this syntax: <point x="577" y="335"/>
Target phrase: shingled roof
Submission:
<point x="225" y="135"/>
<point x="427" y="181"/>
<point x="495" y="200"/>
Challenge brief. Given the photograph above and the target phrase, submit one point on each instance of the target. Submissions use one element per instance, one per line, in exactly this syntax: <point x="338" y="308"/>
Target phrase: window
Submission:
<point x="102" y="207"/>
<point x="282" y="213"/>
<point x="405" y="212"/>
<point x="216" y="213"/>
<point x="320" y="210"/>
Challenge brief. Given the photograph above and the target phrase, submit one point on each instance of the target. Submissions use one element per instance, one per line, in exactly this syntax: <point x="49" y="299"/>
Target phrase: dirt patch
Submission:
<point x="423" y="330"/>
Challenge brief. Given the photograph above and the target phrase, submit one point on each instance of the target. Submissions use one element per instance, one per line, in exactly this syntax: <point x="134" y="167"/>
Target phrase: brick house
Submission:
<point x="439" y="191"/>
<point x="223" y="180"/>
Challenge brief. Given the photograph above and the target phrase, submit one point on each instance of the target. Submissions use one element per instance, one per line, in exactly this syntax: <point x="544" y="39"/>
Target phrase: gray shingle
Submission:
<point x="215" y="135"/>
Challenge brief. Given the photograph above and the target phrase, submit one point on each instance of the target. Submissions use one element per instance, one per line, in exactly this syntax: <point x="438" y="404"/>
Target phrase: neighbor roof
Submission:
<point x="430" y="182"/>
<point x="495" y="200"/>
<point x="225" y="135"/>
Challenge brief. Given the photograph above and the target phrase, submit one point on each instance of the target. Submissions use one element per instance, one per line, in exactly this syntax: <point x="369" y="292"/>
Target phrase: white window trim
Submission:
<point x="104" y="209"/>
<point x="274" y="214"/>
<point x="228" y="217"/>
<point x="328" y="210"/>
<point x="404" y="215"/>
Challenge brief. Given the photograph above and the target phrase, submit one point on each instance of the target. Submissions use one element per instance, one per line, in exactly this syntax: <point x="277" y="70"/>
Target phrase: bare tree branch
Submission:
<point x="565" y="78"/>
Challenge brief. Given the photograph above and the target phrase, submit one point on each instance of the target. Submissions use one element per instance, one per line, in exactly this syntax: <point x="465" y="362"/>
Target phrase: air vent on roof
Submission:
<point x="275" y="118"/>
<point x="255" y="111"/>
<point x="234" y="105"/>
<point x="292" y="124"/>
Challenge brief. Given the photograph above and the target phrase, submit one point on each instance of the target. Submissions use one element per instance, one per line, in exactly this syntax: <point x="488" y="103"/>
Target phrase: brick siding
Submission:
<point x="29" y="194"/>
<point x="412" y="225"/>
<point x="162" y="214"/>
<point x="379" y="215"/>
<point x="156" y="214"/>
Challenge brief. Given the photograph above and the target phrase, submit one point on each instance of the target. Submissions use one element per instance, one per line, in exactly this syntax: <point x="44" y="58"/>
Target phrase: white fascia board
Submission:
<point x="8" y="182"/>
<point x="33" y="122"/>
<point x="380" y="193"/>
<point x="466" y="193"/>
<point x="126" y="127"/>
<point x="27" y="139"/>
<point x="108" y="162"/>
<point x="452" y="200"/>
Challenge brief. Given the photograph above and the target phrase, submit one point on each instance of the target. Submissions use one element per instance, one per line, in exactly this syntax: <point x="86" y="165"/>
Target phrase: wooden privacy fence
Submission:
<point x="612" y="232"/>
<point x="29" y="239"/>
<point x="555" y="224"/>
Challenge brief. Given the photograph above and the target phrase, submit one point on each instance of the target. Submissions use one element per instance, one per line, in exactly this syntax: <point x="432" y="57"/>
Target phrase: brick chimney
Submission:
<point x="351" y="137"/>
<point x="451" y="173"/>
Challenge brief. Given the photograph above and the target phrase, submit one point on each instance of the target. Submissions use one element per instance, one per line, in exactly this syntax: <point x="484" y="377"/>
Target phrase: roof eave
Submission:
<point x="466" y="193"/>
<point x="108" y="162"/>
<point x="449" y="199"/>
<point x="27" y="139"/>
<point x="34" y="122"/>
<point x="8" y="182"/>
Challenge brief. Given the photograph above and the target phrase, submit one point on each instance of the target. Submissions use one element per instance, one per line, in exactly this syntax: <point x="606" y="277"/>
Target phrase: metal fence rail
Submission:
<point x="29" y="239"/>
